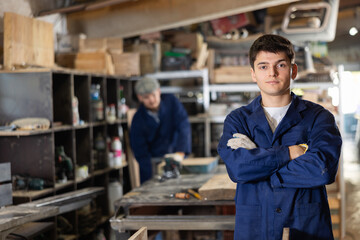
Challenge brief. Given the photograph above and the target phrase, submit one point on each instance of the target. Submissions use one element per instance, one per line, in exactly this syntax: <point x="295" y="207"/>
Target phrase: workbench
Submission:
<point x="152" y="205"/>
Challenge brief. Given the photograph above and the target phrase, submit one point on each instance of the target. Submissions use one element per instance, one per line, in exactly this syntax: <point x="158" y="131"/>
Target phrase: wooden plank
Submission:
<point x="27" y="41"/>
<point x="201" y="58"/>
<point x="134" y="169"/>
<point x="210" y="64"/>
<point x="141" y="234"/>
<point x="219" y="187"/>
<point x="286" y="233"/>
<point x="143" y="17"/>
<point x="334" y="202"/>
<point x="17" y="215"/>
<point x="32" y="229"/>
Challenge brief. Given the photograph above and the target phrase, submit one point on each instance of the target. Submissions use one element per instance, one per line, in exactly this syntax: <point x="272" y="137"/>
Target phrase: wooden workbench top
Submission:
<point x="156" y="193"/>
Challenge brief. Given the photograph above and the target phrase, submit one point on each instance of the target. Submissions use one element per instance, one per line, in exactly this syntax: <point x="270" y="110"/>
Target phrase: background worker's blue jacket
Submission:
<point x="272" y="191"/>
<point x="150" y="139"/>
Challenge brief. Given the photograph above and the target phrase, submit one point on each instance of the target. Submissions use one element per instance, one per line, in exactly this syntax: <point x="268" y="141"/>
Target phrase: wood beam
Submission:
<point x="146" y="16"/>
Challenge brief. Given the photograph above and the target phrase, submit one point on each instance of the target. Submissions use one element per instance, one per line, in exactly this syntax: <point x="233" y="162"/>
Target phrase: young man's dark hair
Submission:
<point x="271" y="43"/>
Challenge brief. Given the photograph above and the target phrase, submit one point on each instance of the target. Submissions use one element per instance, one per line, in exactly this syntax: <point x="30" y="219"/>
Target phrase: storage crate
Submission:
<point x="96" y="62"/>
<point x="126" y="64"/>
<point x="232" y="74"/>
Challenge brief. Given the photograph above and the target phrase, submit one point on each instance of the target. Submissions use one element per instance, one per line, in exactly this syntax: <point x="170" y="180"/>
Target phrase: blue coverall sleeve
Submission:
<point x="141" y="150"/>
<point x="318" y="166"/>
<point x="244" y="165"/>
<point x="183" y="129"/>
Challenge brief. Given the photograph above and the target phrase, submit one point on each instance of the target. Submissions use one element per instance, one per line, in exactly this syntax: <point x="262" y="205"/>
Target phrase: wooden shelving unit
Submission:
<point x="49" y="94"/>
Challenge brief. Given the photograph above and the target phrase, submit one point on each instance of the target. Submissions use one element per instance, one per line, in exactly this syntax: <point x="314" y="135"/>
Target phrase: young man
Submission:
<point x="159" y="126"/>
<point x="281" y="151"/>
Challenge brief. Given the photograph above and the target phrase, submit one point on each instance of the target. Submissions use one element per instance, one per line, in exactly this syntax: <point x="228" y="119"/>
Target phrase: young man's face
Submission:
<point x="151" y="100"/>
<point x="272" y="73"/>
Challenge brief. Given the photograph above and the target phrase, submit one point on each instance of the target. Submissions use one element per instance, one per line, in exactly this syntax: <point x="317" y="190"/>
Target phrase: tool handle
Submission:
<point x="182" y="195"/>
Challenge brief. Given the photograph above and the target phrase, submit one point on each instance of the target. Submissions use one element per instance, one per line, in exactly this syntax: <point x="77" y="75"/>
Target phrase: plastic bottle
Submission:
<point x="122" y="107"/>
<point x="115" y="192"/>
<point x="111" y="113"/>
<point x="116" y="148"/>
<point x="97" y="103"/>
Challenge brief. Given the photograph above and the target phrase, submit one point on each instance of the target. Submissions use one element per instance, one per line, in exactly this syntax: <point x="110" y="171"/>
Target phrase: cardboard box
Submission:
<point x="232" y="74"/>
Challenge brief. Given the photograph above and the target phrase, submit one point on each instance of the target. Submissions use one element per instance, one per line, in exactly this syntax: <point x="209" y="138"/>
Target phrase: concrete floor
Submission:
<point x="352" y="189"/>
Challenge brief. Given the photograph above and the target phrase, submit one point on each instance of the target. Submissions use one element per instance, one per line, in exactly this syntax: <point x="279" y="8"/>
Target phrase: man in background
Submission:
<point x="160" y="126"/>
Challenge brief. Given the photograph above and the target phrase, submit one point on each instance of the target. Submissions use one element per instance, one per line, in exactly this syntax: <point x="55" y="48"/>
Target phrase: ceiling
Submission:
<point x="349" y="13"/>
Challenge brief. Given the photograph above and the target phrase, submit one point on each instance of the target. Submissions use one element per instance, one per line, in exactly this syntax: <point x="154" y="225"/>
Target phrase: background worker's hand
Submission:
<point x="240" y="140"/>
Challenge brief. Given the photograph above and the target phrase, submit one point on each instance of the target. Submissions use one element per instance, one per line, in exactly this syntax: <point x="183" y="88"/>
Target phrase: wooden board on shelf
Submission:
<point x="27" y="41"/>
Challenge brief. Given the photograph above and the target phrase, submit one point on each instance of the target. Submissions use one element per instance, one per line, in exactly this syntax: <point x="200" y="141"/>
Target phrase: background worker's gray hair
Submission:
<point x="146" y="85"/>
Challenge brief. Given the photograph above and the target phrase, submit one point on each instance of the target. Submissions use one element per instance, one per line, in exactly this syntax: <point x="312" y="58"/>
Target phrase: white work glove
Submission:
<point x="240" y="140"/>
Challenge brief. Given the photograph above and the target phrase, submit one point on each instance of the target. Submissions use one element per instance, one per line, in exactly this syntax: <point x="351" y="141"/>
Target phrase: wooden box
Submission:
<point x="66" y="60"/>
<point x="232" y="74"/>
<point x="148" y="56"/>
<point x="5" y="184"/>
<point x="96" y="62"/>
<point x="100" y="44"/>
<point x="27" y="41"/>
<point x="126" y="64"/>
